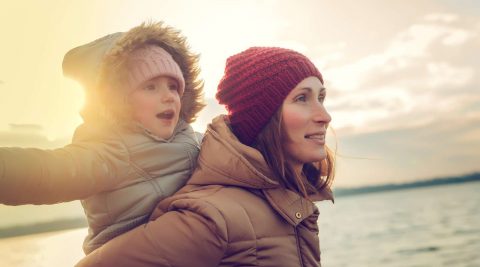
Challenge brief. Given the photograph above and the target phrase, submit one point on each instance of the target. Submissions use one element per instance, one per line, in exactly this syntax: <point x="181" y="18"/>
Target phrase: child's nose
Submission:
<point x="167" y="95"/>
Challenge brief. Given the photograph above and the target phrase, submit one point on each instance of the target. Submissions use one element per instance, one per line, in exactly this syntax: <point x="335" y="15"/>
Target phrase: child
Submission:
<point x="135" y="146"/>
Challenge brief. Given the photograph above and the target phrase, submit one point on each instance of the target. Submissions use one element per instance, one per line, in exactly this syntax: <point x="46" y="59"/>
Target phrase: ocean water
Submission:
<point x="51" y="249"/>
<point x="431" y="226"/>
<point x="24" y="215"/>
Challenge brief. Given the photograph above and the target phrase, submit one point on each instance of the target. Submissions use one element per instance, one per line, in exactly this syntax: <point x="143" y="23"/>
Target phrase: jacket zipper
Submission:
<point x="298" y="247"/>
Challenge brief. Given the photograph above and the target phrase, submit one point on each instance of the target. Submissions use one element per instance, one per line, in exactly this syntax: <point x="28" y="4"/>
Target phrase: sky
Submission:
<point x="402" y="76"/>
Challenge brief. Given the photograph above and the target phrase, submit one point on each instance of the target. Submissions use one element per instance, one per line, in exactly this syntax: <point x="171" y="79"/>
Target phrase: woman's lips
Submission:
<point x="318" y="138"/>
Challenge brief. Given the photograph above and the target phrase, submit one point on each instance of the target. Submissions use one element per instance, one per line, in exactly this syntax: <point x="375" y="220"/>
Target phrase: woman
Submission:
<point x="250" y="199"/>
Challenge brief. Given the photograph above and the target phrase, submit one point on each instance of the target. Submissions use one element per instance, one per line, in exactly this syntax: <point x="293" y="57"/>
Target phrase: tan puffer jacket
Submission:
<point x="230" y="213"/>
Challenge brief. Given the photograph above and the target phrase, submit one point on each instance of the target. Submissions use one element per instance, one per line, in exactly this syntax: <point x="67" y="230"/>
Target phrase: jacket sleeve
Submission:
<point x="36" y="176"/>
<point x="177" y="238"/>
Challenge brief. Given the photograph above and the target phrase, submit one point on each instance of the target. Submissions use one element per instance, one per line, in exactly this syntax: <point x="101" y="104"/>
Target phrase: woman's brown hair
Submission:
<point x="315" y="176"/>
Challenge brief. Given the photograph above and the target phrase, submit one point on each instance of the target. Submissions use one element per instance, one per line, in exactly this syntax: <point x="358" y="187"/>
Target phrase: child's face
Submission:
<point x="156" y="105"/>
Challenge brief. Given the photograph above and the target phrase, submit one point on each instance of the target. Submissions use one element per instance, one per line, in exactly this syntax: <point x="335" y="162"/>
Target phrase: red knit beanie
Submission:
<point x="255" y="84"/>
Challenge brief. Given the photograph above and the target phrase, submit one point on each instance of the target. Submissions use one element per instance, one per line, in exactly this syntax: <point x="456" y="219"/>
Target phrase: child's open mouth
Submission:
<point x="166" y="115"/>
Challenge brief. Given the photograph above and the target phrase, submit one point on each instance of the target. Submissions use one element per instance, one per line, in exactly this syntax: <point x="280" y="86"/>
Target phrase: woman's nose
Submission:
<point x="321" y="114"/>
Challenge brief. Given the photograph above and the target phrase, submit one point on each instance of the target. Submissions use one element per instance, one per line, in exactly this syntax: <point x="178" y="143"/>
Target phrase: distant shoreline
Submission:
<point x="338" y="192"/>
<point x="343" y="192"/>
<point x="43" y="227"/>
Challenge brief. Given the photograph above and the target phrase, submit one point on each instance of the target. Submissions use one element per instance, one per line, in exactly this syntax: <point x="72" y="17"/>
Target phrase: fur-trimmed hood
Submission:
<point x="98" y="65"/>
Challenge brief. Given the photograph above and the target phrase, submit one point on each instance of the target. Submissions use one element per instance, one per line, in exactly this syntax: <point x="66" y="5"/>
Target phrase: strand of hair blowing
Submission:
<point x="269" y="143"/>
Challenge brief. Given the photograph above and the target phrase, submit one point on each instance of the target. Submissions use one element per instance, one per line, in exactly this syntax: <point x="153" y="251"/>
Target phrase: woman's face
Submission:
<point x="304" y="123"/>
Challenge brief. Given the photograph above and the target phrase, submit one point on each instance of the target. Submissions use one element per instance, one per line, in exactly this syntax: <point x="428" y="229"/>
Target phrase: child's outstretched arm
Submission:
<point x="36" y="176"/>
<point x="98" y="160"/>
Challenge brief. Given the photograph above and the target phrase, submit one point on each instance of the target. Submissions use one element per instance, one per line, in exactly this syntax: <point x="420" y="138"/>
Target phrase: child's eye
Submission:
<point x="149" y="87"/>
<point x="301" y="98"/>
<point x="173" y="86"/>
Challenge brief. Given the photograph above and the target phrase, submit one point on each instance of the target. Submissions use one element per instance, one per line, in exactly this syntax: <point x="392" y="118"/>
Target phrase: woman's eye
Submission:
<point x="321" y="98"/>
<point x="301" y="98"/>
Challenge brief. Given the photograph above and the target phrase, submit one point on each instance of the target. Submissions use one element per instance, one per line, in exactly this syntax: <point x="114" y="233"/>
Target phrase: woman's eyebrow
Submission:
<point x="305" y="89"/>
<point x="309" y="89"/>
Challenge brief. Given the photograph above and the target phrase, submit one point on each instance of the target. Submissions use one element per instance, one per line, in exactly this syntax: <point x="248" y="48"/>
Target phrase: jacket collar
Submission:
<point x="293" y="207"/>
<point x="226" y="161"/>
<point x="180" y="127"/>
<point x="223" y="160"/>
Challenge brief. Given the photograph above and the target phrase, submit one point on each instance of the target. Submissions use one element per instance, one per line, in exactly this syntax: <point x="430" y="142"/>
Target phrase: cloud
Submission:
<point x="17" y="127"/>
<point x="436" y="17"/>
<point x="418" y="152"/>
<point x="29" y="135"/>
<point x="407" y="49"/>
<point x="425" y="69"/>
<point x="205" y="116"/>
<point x="457" y="37"/>
<point x="443" y="74"/>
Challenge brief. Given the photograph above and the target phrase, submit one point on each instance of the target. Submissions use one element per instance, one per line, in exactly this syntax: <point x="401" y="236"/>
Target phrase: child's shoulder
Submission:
<point x="186" y="134"/>
<point x="96" y="132"/>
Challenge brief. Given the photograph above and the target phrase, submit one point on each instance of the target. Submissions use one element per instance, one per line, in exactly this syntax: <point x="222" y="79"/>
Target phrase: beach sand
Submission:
<point x="62" y="248"/>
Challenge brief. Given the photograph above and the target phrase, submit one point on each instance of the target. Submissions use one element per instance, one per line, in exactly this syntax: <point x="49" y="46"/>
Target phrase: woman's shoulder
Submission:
<point x="216" y="194"/>
<point x="231" y="204"/>
<point x="235" y="213"/>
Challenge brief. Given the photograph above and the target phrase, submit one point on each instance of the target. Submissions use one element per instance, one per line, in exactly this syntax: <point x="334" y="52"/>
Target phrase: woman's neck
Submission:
<point x="298" y="169"/>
